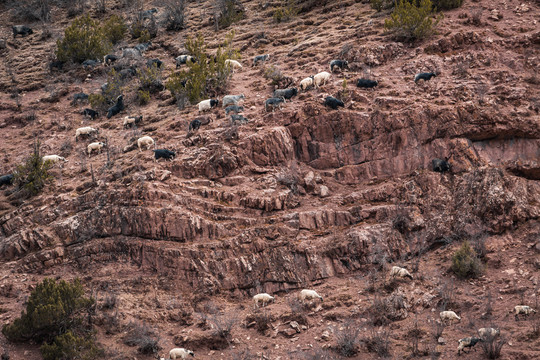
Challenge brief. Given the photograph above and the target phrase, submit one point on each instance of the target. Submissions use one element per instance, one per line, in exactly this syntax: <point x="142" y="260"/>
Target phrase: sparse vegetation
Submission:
<point x="412" y="21"/>
<point x="465" y="262"/>
<point x="273" y="73"/>
<point x="84" y="39"/>
<point x="143" y="337"/>
<point x="286" y="11"/>
<point x="347" y="339"/>
<point x="380" y="5"/>
<point x="174" y="14"/>
<point x="150" y="79"/>
<point x="143" y="97"/>
<point x="115" y="29"/>
<point x="446" y="4"/>
<point x="378" y="342"/>
<point x="492" y="346"/>
<point x="70" y="346"/>
<point x="227" y="12"/>
<point x="31" y="177"/>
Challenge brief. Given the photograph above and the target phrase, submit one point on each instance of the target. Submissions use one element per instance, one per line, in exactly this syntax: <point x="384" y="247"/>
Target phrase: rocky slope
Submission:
<point x="302" y="197"/>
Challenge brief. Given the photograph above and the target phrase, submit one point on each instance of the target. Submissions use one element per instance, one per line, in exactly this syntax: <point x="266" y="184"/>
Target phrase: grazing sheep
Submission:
<point x="23" y="30"/>
<point x="341" y="64"/>
<point x="130" y="121"/>
<point x="90" y="63"/>
<point x="239" y="118"/>
<point x="488" y="332"/>
<point x="366" y="83"/>
<point x="468" y="342"/>
<point x="207" y="104"/>
<point x="234" y="108"/>
<point x="232" y="99"/>
<point x="321" y="78"/>
<point x="142" y="47"/>
<point x="194" y="125"/>
<point x="85" y="131"/>
<point x="116" y="108"/>
<point x="273" y="102"/>
<point x="127" y="73"/>
<point x="164" y="153"/>
<point x="151" y="62"/>
<point x="180" y="353"/>
<point x="424" y="76"/>
<point x="261" y="58"/>
<point x="306" y="83"/>
<point x="90" y="113"/>
<point x="131" y="52"/>
<point x="6" y="179"/>
<point x="263" y="299"/>
<point x="97" y="146"/>
<point x="56" y="65"/>
<point x="286" y="94"/>
<point x="233" y="64"/>
<point x="400" y="272"/>
<point x="309" y="295"/>
<point x="54" y="158"/>
<point x="523" y="309"/>
<point x="333" y="102"/>
<point x="205" y="119"/>
<point x="79" y="96"/>
<point x="146" y="141"/>
<point x="183" y="59"/>
<point x="449" y="315"/>
<point x="440" y="165"/>
<point x="109" y="59"/>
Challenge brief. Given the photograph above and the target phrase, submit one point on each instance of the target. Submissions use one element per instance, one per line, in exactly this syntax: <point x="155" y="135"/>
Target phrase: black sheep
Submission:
<point x="109" y="59"/>
<point x="91" y="113"/>
<point x="22" y="30"/>
<point x="90" y="63"/>
<point x="116" y="108"/>
<point x="333" y="102"/>
<point x="151" y="62"/>
<point x="273" y="102"/>
<point x="79" y="96"/>
<point x="424" y="76"/>
<point x="6" y="179"/>
<point x="285" y="93"/>
<point x="467" y="343"/>
<point x="194" y="125"/>
<point x="56" y="65"/>
<point x="234" y="108"/>
<point x="342" y="64"/>
<point x="239" y="118"/>
<point x="440" y="165"/>
<point x="366" y="83"/>
<point x="164" y="153"/>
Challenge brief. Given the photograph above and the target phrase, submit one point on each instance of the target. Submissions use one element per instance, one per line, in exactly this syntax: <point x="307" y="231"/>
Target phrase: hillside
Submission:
<point x="302" y="197"/>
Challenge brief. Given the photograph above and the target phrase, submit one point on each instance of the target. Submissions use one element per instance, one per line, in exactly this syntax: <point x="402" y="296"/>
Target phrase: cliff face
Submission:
<point x="295" y="198"/>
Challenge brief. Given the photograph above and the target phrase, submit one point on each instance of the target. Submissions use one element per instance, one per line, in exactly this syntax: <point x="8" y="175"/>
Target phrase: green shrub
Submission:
<point x="143" y="29"/>
<point x="288" y="10"/>
<point x="380" y="5"/>
<point x="232" y="11"/>
<point x="97" y="101"/>
<point x="465" y="263"/>
<point x="150" y="79"/>
<point x="32" y="176"/>
<point x="69" y="346"/>
<point x="115" y="87"/>
<point x="143" y="97"/>
<point x="273" y="73"/>
<point x="410" y="21"/>
<point x="52" y="309"/>
<point x="114" y="29"/>
<point x="84" y="39"/>
<point x="446" y="4"/>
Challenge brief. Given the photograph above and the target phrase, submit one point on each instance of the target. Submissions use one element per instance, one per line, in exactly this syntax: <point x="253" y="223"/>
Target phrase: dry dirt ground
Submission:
<point x="182" y="246"/>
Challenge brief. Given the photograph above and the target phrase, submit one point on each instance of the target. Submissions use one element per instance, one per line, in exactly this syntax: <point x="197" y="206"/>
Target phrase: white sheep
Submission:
<point x="263" y="298"/>
<point x="307" y="82"/>
<point x="321" y="78"/>
<point x="145" y="141"/>
<point x="309" y="295"/>
<point x="491" y="332"/>
<point x="180" y="353"/>
<point x="129" y="121"/>
<point x="523" y="309"/>
<point x="233" y="64"/>
<point x="207" y="104"/>
<point x="449" y="315"/>
<point x="85" y="131"/>
<point x="97" y="146"/>
<point x="53" y="158"/>
<point x="467" y="342"/>
<point x="400" y="272"/>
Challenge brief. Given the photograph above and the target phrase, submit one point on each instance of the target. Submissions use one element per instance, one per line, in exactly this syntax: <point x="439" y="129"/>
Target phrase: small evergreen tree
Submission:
<point x="447" y="4"/>
<point x="412" y="20"/>
<point x="465" y="263"/>
<point x="71" y="346"/>
<point x="32" y="176"/>
<point x="115" y="29"/>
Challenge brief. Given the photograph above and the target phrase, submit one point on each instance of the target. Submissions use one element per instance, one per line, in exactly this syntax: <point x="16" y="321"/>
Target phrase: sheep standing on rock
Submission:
<point x="22" y="30"/>
<point x="273" y="103"/>
<point x="261" y="58"/>
<point x="321" y="78"/>
<point x="164" y="153"/>
<point x="194" y="125"/>
<point x="131" y="52"/>
<point x="180" y="353"/>
<point x="263" y="299"/>
<point x="366" y="83"/>
<point x="109" y="59"/>
<point x="6" y="179"/>
<point x="440" y="165"/>
<point x="145" y="141"/>
<point x="306" y="83"/>
<point x="207" y="104"/>
<point x="523" y="309"/>
<point x="424" y="76"/>
<point x="468" y="342"/>
<point x="233" y="64"/>
<point x="309" y="295"/>
<point x="116" y="108"/>
<point x="53" y="158"/>
<point x="97" y="146"/>
<point x="400" y="272"/>
<point x="85" y="131"/>
<point x="240" y="118"/>
<point x="92" y="114"/>
<point x="286" y="94"/>
<point x="488" y="332"/>
<point x="341" y="64"/>
<point x="130" y="121"/>
<point x="449" y="316"/>
<point x="232" y="99"/>
<point x="333" y="102"/>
